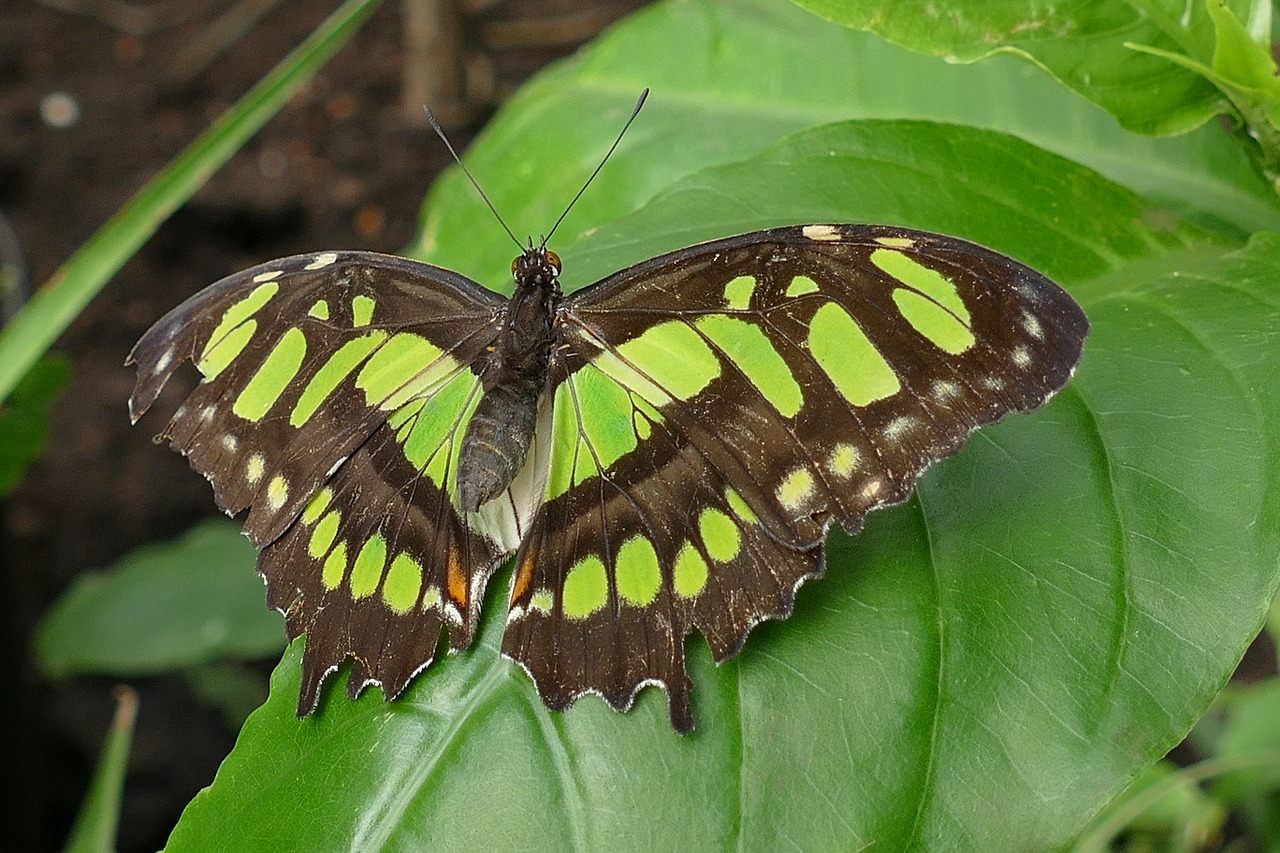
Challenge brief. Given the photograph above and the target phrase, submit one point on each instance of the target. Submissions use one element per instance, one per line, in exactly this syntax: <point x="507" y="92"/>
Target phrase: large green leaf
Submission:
<point x="1146" y="93"/>
<point x="730" y="78"/>
<point x="982" y="669"/>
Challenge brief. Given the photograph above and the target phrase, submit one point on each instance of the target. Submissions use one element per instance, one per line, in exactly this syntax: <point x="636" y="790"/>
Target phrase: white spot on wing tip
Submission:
<point x="269" y="275"/>
<point x="825" y="233"/>
<point x="322" y="260"/>
<point x="165" y="359"/>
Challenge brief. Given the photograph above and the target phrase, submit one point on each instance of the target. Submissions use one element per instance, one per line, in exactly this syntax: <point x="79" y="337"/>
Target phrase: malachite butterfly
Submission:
<point x="663" y="451"/>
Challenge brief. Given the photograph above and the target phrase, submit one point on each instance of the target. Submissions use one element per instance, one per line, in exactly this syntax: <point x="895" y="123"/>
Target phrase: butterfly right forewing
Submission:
<point x="335" y="391"/>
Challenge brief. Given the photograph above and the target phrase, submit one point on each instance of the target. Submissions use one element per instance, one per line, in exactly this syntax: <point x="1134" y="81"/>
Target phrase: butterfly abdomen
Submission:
<point x="496" y="442"/>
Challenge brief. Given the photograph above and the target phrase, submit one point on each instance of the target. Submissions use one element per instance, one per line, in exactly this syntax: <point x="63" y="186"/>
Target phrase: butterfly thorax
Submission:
<point x="513" y="376"/>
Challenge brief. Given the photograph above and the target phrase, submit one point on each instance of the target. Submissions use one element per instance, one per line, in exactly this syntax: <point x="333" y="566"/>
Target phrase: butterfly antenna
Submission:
<point x="447" y="144"/>
<point x="608" y="154"/>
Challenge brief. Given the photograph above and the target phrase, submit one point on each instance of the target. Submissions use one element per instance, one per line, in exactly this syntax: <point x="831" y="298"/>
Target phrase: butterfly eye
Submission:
<point x="554" y="260"/>
<point x="515" y="266"/>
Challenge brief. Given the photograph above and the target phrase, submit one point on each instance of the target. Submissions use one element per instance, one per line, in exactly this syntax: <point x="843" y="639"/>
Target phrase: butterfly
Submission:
<point x="663" y="451"/>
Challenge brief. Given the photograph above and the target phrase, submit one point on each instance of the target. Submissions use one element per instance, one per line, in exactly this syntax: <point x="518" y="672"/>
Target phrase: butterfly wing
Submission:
<point x="715" y="409"/>
<point x="335" y="390"/>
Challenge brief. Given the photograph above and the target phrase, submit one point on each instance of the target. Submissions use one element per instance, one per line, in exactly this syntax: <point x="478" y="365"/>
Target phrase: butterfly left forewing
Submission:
<point x="736" y="398"/>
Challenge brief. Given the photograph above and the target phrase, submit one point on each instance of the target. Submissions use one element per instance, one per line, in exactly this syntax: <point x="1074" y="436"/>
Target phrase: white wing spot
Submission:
<point x="944" y="390"/>
<point x="322" y="261"/>
<point x="269" y="275"/>
<point x="993" y="383"/>
<point x="254" y="468"/>
<point x="230" y="443"/>
<point x="451" y="613"/>
<point x="431" y="598"/>
<point x="823" y="233"/>
<point x="540" y="601"/>
<point x="277" y="493"/>
<point x="207" y="413"/>
<point x="872" y="488"/>
<point x="898" y="427"/>
<point x="336" y="466"/>
<point x="163" y="361"/>
<point x="1032" y="325"/>
<point x="1021" y="356"/>
<point x="1027" y="292"/>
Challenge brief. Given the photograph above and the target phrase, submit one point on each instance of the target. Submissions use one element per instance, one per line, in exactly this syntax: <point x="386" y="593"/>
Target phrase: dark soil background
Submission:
<point x="95" y="97"/>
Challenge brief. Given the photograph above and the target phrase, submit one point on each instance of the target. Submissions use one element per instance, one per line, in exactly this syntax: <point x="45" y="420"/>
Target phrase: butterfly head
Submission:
<point x="536" y="267"/>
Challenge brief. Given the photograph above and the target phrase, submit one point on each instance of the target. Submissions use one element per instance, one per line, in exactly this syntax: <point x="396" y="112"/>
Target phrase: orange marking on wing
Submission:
<point x="524" y="577"/>
<point x="457" y="579"/>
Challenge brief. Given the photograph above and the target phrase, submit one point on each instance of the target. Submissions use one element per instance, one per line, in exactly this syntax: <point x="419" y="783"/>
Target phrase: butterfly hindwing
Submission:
<point x="630" y="552"/>
<point x="334" y="395"/>
<point x="717" y="408"/>
<point x="378" y="563"/>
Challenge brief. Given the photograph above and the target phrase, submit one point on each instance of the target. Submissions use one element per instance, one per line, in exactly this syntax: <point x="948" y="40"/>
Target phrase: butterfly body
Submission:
<point x="663" y="451"/>
<point x="514" y="377"/>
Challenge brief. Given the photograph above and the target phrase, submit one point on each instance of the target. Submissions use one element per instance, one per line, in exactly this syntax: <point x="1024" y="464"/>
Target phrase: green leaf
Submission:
<point x="728" y="79"/>
<point x="24" y="418"/>
<point x="99" y="816"/>
<point x="1081" y="43"/>
<point x="1237" y="57"/>
<point x="1044" y="211"/>
<point x="164" y="607"/>
<point x="60" y="299"/>
<point x="982" y="668"/>
<point x="1245" y="73"/>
